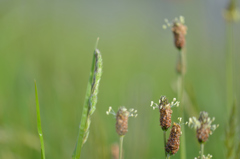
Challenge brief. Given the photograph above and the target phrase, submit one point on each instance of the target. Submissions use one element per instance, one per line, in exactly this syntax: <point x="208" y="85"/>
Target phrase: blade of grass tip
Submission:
<point x="39" y="123"/>
<point x="90" y="101"/>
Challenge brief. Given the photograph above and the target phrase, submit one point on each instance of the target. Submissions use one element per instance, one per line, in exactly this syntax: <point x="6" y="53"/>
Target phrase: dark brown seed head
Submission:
<point x="203" y="126"/>
<point x="179" y="31"/>
<point x="165" y="113"/>
<point x="122" y="121"/>
<point x="165" y="117"/>
<point x="173" y="143"/>
<point x="203" y="133"/>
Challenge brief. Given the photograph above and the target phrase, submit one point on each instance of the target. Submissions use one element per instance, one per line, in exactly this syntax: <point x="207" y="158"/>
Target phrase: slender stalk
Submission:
<point x="180" y="97"/>
<point x="168" y="156"/>
<point x="164" y="138"/>
<point x="90" y="101"/>
<point x="121" y="147"/>
<point x="229" y="67"/>
<point x="202" y="150"/>
<point x="231" y="85"/>
<point x="39" y="123"/>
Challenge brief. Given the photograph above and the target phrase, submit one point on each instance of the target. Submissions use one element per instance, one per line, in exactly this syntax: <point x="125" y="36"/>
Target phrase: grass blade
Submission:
<point x="39" y="124"/>
<point x="231" y="133"/>
<point x="90" y="102"/>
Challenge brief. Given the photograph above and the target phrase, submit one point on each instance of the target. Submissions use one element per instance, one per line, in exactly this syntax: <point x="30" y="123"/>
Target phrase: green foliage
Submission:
<point x="53" y="45"/>
<point x="90" y="102"/>
<point x="231" y="138"/>
<point x="39" y="123"/>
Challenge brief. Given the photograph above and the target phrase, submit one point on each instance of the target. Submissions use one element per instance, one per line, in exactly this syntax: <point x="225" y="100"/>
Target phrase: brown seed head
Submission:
<point x="203" y="133"/>
<point x="173" y="143"/>
<point x="203" y="126"/>
<point x="165" y="113"/>
<point x="122" y="121"/>
<point x="179" y="31"/>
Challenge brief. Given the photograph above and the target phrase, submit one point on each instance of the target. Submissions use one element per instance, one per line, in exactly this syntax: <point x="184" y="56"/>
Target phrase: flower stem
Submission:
<point x="121" y="147"/>
<point x="229" y="67"/>
<point x="164" y="138"/>
<point x="90" y="102"/>
<point x="168" y="156"/>
<point x="202" y="150"/>
<point x="180" y="97"/>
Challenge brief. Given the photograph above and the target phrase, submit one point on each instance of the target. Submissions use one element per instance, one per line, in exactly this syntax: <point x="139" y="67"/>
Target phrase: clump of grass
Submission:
<point x="204" y="128"/>
<point x="90" y="101"/>
<point x="122" y="123"/>
<point x="39" y="126"/>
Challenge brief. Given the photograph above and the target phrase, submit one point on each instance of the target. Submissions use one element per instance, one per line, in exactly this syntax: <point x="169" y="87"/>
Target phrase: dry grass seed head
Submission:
<point x="203" y="126"/>
<point x="122" y="121"/>
<point x="173" y="143"/>
<point x="179" y="31"/>
<point x="165" y="113"/>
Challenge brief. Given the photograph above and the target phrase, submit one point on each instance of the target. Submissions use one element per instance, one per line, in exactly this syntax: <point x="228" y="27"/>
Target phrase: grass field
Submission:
<point x="53" y="41"/>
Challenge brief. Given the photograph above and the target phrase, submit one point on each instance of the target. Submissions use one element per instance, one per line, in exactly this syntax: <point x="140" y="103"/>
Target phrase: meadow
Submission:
<point x="53" y="43"/>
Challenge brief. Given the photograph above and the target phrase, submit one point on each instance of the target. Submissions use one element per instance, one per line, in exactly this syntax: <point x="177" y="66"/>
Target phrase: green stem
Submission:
<point x="121" y="147"/>
<point x="180" y="97"/>
<point x="39" y="123"/>
<point x="229" y="67"/>
<point x="202" y="150"/>
<point x="168" y="156"/>
<point x="181" y="79"/>
<point x="164" y="138"/>
<point x="90" y="101"/>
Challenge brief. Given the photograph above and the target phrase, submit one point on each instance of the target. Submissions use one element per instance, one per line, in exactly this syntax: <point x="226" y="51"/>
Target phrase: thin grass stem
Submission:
<point x="168" y="156"/>
<point x="164" y="138"/>
<point x="180" y="97"/>
<point x="121" y="147"/>
<point x="229" y="67"/>
<point x="39" y="123"/>
<point x="90" y="101"/>
<point x="202" y="150"/>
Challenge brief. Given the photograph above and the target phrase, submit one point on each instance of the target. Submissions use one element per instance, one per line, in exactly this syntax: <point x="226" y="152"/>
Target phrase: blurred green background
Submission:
<point x="53" y="41"/>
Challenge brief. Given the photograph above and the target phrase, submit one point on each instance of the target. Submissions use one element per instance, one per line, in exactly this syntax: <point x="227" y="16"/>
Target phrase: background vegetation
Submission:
<point x="53" y="41"/>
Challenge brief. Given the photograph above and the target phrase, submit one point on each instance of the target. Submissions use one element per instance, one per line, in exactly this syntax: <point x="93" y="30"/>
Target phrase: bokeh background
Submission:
<point x="53" y="41"/>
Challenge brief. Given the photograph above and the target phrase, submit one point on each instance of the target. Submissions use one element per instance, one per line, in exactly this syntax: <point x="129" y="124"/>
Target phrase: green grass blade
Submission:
<point x="90" y="102"/>
<point x="39" y="124"/>
<point x="231" y="133"/>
